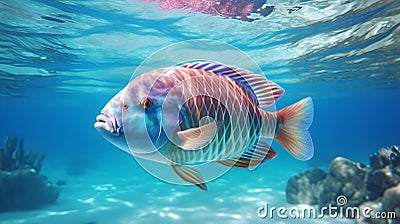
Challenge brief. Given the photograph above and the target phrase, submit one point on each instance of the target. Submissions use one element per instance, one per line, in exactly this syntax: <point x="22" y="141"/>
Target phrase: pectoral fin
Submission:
<point x="196" y="138"/>
<point x="191" y="175"/>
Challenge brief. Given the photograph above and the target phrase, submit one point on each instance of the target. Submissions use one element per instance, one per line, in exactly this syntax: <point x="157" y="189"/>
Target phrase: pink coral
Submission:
<point x="229" y="9"/>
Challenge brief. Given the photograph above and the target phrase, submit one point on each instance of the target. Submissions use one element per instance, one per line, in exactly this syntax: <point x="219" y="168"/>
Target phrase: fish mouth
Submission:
<point x="104" y="122"/>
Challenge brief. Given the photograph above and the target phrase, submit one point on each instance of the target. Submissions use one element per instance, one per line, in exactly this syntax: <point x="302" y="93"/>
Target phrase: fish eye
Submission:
<point x="146" y="102"/>
<point x="125" y="106"/>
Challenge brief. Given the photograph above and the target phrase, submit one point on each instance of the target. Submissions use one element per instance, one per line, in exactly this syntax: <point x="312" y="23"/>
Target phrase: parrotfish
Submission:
<point x="205" y="112"/>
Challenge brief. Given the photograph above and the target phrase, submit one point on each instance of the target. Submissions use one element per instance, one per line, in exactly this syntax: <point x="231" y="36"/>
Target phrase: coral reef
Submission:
<point x="376" y="186"/>
<point x="21" y="185"/>
<point x="12" y="158"/>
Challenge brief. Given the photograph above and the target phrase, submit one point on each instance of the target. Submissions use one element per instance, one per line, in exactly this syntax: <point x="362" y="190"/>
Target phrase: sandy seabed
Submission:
<point x="101" y="196"/>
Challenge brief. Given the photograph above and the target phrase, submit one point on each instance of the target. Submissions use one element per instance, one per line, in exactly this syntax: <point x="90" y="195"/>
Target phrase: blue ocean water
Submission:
<point x="61" y="61"/>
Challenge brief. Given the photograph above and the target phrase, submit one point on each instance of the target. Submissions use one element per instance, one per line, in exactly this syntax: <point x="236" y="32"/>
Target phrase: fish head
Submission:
<point x="131" y="120"/>
<point x="109" y="122"/>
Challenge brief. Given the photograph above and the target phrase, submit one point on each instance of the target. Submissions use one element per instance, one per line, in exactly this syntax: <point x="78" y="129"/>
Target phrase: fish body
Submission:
<point x="204" y="112"/>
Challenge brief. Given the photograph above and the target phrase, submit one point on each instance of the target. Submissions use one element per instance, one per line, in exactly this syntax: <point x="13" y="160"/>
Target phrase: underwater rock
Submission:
<point x="25" y="189"/>
<point x="61" y="182"/>
<point x="395" y="156"/>
<point x="345" y="178"/>
<point x="379" y="180"/>
<point x="384" y="172"/>
<point x="380" y="159"/>
<point x="376" y="186"/>
<point x="300" y="188"/>
<point x="346" y="170"/>
<point x="391" y="201"/>
<point x="374" y="207"/>
<point x="316" y="187"/>
<point x="388" y="205"/>
<point x="21" y="185"/>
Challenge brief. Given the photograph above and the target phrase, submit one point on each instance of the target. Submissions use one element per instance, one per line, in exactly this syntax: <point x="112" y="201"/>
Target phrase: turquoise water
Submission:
<point x="61" y="61"/>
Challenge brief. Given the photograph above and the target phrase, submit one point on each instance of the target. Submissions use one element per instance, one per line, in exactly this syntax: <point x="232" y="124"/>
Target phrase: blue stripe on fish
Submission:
<point x="224" y="70"/>
<point x="219" y="69"/>
<point x="154" y="128"/>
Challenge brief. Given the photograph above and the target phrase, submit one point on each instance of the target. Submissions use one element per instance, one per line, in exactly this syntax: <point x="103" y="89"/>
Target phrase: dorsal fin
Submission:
<point x="263" y="91"/>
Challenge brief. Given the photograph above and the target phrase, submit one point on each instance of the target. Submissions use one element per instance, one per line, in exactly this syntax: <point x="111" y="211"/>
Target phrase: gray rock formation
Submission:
<point x="387" y="206"/>
<point x="316" y="187"/>
<point x="344" y="178"/>
<point x="25" y="189"/>
<point x="391" y="202"/>
<point x="384" y="172"/>
<point x="376" y="186"/>
<point x="301" y="188"/>
<point x="374" y="207"/>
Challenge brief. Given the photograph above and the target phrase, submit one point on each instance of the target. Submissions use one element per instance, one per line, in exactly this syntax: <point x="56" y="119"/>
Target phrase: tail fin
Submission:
<point x="293" y="132"/>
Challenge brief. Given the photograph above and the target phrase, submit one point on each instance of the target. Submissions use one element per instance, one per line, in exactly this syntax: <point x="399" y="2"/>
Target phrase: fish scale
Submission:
<point x="236" y="137"/>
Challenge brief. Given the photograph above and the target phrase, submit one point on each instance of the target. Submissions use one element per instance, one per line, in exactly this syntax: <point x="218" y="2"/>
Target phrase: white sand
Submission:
<point x="103" y="195"/>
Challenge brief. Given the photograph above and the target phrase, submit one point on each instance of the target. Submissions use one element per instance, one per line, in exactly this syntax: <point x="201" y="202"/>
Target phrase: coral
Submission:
<point x="12" y="158"/>
<point x="21" y="185"/>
